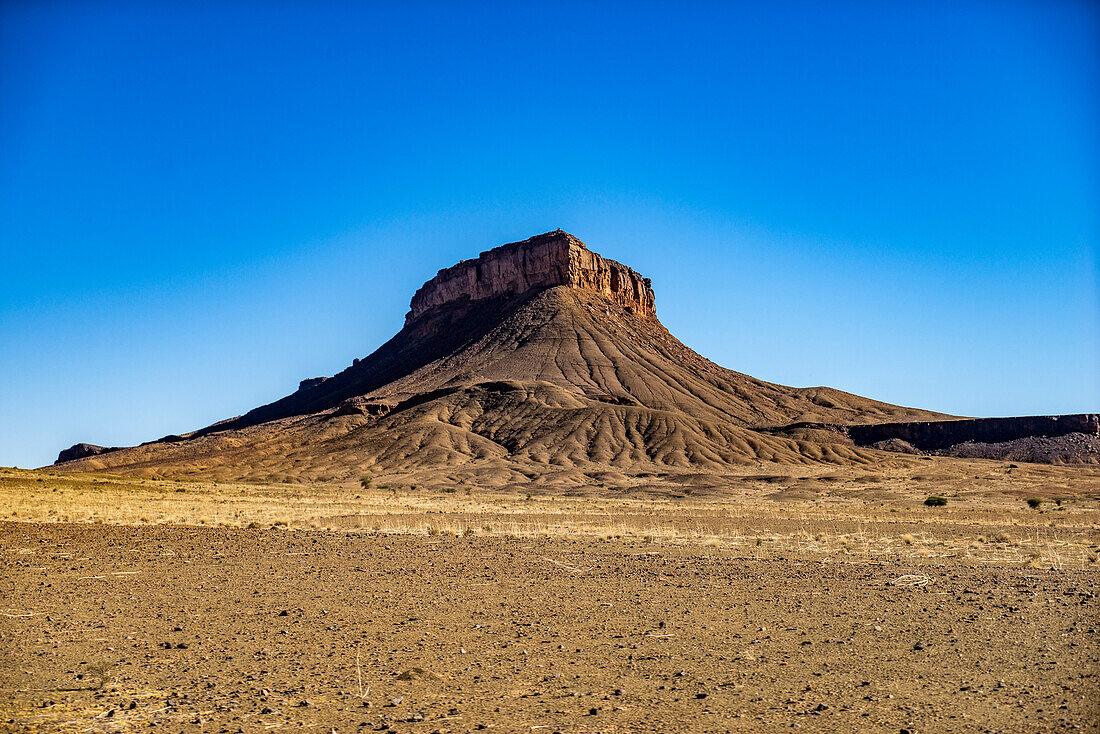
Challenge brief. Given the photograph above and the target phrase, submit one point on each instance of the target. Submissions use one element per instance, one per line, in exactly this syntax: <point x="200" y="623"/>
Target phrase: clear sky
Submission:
<point x="203" y="203"/>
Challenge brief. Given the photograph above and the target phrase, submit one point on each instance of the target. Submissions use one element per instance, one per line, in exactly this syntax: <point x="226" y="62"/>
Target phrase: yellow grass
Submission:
<point x="874" y="519"/>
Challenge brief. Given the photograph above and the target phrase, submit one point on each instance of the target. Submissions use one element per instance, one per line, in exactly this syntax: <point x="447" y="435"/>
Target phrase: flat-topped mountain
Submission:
<point x="536" y="357"/>
<point x="549" y="310"/>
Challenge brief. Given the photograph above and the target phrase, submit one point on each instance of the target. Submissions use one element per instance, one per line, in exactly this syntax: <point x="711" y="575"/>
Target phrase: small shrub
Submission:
<point x="1034" y="502"/>
<point x="449" y="490"/>
<point x="935" y="501"/>
<point x="366" y="480"/>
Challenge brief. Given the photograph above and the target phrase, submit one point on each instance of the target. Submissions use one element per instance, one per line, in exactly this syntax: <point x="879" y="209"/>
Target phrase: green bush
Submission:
<point x="936" y="501"/>
<point x="1034" y="502"/>
<point x="366" y="480"/>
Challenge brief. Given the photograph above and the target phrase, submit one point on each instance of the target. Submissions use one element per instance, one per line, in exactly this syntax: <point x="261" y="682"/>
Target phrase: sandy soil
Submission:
<point x="228" y="630"/>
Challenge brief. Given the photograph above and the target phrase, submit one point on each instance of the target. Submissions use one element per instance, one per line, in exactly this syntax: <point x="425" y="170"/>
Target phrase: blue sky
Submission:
<point x="202" y="203"/>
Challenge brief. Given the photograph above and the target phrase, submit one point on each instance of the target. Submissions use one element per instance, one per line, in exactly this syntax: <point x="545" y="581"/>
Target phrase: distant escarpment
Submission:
<point x="936" y="435"/>
<point x="544" y="261"/>
<point x="1061" y="439"/>
<point x="1048" y="439"/>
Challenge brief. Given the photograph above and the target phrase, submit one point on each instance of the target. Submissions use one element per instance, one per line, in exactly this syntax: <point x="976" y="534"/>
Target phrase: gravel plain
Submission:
<point x="161" y="628"/>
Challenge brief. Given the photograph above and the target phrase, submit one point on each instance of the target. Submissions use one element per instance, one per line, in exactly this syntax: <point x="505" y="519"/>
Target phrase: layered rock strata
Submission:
<point x="936" y="435"/>
<point x="544" y="261"/>
<point x="941" y="435"/>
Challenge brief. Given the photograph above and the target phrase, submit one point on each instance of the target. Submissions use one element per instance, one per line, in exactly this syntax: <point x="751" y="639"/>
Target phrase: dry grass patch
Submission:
<point x="879" y="520"/>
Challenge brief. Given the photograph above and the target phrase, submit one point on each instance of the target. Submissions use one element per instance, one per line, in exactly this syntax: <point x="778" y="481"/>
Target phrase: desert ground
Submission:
<point x="820" y="598"/>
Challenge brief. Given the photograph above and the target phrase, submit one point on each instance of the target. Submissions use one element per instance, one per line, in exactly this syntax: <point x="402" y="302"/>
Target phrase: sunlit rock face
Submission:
<point x="544" y="261"/>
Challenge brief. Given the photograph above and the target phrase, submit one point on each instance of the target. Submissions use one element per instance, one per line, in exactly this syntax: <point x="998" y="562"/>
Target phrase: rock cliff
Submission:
<point x="936" y="435"/>
<point x="80" y="451"/>
<point x="544" y="261"/>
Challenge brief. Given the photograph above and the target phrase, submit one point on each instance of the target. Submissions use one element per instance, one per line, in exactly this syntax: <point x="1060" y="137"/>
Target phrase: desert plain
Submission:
<point x="811" y="597"/>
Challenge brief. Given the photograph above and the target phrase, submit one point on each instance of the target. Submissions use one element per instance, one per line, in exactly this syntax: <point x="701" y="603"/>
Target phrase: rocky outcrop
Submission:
<point x="937" y="435"/>
<point x="544" y="261"/>
<point x="1072" y="448"/>
<point x="896" y="445"/>
<point x="80" y="451"/>
<point x="1048" y="439"/>
<point x="310" y="382"/>
<point x="363" y="406"/>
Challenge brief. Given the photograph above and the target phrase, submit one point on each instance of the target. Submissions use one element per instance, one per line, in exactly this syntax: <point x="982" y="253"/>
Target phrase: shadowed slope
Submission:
<point x="604" y="352"/>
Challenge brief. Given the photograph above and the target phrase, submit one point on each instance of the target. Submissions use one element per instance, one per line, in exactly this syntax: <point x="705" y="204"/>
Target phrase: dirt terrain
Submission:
<point x="817" y="601"/>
